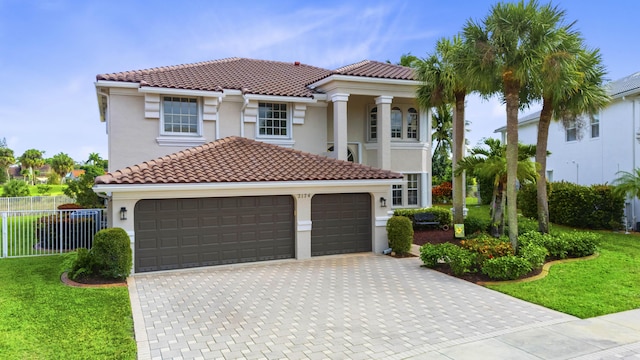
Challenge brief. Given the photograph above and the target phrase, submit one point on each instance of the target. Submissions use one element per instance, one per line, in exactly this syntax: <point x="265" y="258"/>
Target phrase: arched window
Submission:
<point x="396" y="123"/>
<point x="412" y="123"/>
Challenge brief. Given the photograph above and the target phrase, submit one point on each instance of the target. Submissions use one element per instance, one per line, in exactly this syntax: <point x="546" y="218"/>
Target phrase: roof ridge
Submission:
<point x="352" y="66"/>
<point x="175" y="67"/>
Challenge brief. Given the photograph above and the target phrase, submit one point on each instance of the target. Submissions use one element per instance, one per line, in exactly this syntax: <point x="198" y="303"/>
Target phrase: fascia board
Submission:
<point x="187" y="92"/>
<point x="363" y="79"/>
<point x="120" y="84"/>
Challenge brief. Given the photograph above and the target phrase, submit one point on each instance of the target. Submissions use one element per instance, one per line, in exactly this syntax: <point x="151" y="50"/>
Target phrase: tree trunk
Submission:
<point x="497" y="215"/>
<point x="512" y="88"/>
<point x="458" y="153"/>
<point x="541" y="158"/>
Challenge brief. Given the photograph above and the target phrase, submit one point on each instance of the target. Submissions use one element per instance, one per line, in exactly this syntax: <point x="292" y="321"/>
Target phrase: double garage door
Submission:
<point x="184" y="233"/>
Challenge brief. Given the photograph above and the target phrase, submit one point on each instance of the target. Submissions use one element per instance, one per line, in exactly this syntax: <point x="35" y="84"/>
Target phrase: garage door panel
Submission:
<point x="341" y="223"/>
<point x="178" y="233"/>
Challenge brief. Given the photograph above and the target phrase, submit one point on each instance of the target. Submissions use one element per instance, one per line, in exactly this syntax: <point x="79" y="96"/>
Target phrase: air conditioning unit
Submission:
<point x="353" y="152"/>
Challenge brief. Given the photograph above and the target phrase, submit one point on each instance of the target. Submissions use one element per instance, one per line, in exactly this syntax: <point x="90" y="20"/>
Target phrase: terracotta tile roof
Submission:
<point x="237" y="159"/>
<point x="375" y="69"/>
<point x="250" y="76"/>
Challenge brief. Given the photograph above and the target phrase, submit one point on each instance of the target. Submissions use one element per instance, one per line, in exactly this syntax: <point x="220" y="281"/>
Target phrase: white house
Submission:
<point x="239" y="160"/>
<point x="596" y="151"/>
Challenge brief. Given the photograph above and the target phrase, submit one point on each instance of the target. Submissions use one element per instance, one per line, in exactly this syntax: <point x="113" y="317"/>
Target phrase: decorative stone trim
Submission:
<point x="210" y="108"/>
<point x="299" y="111"/>
<point x="152" y="106"/>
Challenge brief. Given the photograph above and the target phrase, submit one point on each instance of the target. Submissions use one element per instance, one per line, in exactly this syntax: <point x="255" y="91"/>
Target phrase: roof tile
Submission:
<point x="237" y="159"/>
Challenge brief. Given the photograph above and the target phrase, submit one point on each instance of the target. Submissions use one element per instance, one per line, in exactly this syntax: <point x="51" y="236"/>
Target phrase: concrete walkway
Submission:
<point x="357" y="307"/>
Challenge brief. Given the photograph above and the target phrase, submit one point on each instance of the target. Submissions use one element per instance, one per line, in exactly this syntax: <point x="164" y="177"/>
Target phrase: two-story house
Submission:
<point x="594" y="151"/>
<point x="239" y="160"/>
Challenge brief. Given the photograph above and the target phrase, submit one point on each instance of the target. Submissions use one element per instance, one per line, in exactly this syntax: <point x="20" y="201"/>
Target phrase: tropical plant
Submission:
<point x="508" y="46"/>
<point x="442" y="123"/>
<point x="62" y="164"/>
<point x="627" y="183"/>
<point x="491" y="163"/>
<point x="7" y="158"/>
<point x="94" y="159"/>
<point x="571" y="85"/>
<point x="15" y="188"/>
<point x="31" y="159"/>
<point x="82" y="191"/>
<point x="443" y="80"/>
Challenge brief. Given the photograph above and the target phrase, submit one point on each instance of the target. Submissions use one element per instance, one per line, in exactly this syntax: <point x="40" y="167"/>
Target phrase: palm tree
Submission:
<point x="571" y="81"/>
<point x="508" y="44"/>
<point x="6" y="159"/>
<point x="94" y="158"/>
<point x="442" y="123"/>
<point x="627" y="183"/>
<point x="62" y="164"/>
<point x="491" y="163"/>
<point x="444" y="81"/>
<point x="31" y="159"/>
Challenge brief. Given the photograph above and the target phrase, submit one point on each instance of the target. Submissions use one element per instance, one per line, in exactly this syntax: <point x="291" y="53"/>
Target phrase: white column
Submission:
<point x="303" y="226"/>
<point x="340" y="125"/>
<point x="424" y="125"/>
<point x="425" y="189"/>
<point x="384" y="131"/>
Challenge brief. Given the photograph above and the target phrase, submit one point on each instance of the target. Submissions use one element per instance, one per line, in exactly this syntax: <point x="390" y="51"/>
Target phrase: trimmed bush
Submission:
<point x="558" y="246"/>
<point x="400" y="234"/>
<point x="581" y="244"/>
<point x="506" y="267"/>
<point x="442" y="215"/>
<point x="111" y="253"/>
<point x="474" y="225"/>
<point x="534" y="254"/>
<point x="82" y="264"/>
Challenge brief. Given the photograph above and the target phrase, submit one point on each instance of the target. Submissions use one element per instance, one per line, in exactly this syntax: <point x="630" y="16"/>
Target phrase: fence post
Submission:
<point x="5" y="235"/>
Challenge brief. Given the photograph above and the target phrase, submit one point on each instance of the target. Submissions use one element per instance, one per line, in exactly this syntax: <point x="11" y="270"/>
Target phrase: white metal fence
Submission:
<point x="33" y="203"/>
<point x="47" y="232"/>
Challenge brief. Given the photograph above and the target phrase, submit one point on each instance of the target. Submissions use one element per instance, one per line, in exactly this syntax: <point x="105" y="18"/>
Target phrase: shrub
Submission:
<point x="43" y="189"/>
<point x="527" y="200"/>
<point x="431" y="254"/>
<point x="534" y="254"/>
<point x="111" y="253"/>
<point x="475" y="225"/>
<point x="557" y="246"/>
<point x="53" y="179"/>
<point x="488" y="247"/>
<point x="460" y="260"/>
<point x="442" y="193"/>
<point x="463" y="261"/>
<point x="506" y="267"/>
<point x="527" y="225"/>
<point x="400" y="234"/>
<point x="580" y="244"/>
<point x="83" y="264"/>
<point x="442" y="215"/>
<point x="15" y="188"/>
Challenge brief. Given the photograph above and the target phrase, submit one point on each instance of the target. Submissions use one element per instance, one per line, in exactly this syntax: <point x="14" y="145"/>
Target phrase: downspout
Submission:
<point x="244" y="106"/>
<point x="218" y="117"/>
<point x="633" y="156"/>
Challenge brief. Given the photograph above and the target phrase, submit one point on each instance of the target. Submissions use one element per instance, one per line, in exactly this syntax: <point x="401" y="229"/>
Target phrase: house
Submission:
<point x="595" y="150"/>
<point x="222" y="152"/>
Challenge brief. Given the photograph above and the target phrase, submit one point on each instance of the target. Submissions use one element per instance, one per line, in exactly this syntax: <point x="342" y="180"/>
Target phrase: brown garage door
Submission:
<point x="183" y="233"/>
<point x="341" y="223"/>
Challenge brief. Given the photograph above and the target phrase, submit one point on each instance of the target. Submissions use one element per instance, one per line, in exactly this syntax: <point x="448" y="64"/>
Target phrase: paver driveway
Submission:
<point x="350" y="306"/>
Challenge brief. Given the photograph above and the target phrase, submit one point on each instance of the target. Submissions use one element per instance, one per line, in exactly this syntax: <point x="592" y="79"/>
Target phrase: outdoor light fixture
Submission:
<point x="123" y="213"/>
<point x="383" y="202"/>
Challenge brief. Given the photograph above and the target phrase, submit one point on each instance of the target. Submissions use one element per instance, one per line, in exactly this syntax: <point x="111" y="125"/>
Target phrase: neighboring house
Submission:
<point x="220" y="131"/>
<point x="15" y="172"/>
<point x="594" y="152"/>
<point x="74" y="174"/>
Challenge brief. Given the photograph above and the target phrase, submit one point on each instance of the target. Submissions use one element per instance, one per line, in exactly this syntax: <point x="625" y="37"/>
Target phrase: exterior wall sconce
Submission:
<point x="383" y="202"/>
<point x="123" y="213"/>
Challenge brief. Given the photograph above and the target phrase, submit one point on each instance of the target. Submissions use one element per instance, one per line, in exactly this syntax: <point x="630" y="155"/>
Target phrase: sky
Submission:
<point x="51" y="51"/>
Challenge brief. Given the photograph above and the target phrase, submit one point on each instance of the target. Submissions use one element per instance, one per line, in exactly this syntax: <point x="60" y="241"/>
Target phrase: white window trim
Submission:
<point x="368" y="123"/>
<point x="275" y="139"/>
<point x="177" y="134"/>
<point x="404" y="111"/>
<point x="591" y="124"/>
<point x="566" y="134"/>
<point x="405" y="191"/>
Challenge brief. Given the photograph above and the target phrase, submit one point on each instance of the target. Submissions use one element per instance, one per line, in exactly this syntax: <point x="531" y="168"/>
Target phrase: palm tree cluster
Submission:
<point x="522" y="52"/>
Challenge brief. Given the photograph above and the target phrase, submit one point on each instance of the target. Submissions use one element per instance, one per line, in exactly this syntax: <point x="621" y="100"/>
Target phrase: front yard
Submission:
<point x="41" y="318"/>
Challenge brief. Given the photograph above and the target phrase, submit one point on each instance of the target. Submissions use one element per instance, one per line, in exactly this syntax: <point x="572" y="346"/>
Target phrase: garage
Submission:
<point x="341" y="224"/>
<point x="184" y="233"/>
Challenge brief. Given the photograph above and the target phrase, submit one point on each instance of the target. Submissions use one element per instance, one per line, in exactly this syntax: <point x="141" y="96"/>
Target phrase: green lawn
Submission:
<point x="605" y="285"/>
<point x="53" y="191"/>
<point x="41" y="318"/>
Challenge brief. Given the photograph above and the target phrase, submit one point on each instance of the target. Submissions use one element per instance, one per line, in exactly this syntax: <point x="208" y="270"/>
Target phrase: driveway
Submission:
<point x="360" y="306"/>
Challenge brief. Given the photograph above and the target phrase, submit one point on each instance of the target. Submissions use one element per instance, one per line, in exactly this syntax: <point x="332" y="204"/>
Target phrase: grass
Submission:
<point x="41" y="318"/>
<point x="33" y="190"/>
<point x="605" y="285"/>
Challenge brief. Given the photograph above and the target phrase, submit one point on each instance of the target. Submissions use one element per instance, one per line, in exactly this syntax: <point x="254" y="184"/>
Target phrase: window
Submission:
<point x="595" y="126"/>
<point x="412" y="124"/>
<point x="273" y="120"/>
<point x="549" y="176"/>
<point x="373" y="124"/>
<point x="396" y="123"/>
<point x="180" y="115"/>
<point x="412" y="189"/>
<point x="571" y="133"/>
<point x="396" y="195"/>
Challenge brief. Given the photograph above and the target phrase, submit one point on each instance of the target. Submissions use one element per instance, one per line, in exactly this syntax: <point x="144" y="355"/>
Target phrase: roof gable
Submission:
<point x="237" y="159"/>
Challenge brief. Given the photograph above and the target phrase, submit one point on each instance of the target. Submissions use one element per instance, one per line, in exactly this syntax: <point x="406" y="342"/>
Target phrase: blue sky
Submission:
<point x="51" y="51"/>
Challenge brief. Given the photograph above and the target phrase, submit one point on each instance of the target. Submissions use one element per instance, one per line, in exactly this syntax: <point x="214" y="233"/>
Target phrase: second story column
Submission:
<point x="384" y="131"/>
<point x="340" y="125"/>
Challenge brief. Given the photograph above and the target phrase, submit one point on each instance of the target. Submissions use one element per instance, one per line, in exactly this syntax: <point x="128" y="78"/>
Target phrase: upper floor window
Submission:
<point x="396" y="195"/>
<point x="273" y="120"/>
<point x="373" y="124"/>
<point x="396" y="123"/>
<point x="412" y="124"/>
<point x="595" y="126"/>
<point x="571" y="133"/>
<point x="180" y="115"/>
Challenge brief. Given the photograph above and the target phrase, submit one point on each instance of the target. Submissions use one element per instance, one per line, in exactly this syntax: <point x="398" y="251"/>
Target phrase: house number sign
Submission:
<point x="303" y="196"/>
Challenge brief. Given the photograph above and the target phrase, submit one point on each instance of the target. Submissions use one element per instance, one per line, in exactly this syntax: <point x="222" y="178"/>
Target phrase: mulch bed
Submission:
<point x="437" y="236"/>
<point x="92" y="281"/>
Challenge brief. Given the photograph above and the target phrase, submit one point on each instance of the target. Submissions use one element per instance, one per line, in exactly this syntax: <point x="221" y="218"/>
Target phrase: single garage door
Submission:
<point x="184" y="233"/>
<point x="340" y="224"/>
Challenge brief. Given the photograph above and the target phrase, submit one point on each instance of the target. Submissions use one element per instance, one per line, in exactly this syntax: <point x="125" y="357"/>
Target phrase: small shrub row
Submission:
<point x="443" y="216"/>
<point x="110" y="257"/>
<point x="563" y="245"/>
<point x="488" y="247"/>
<point x="460" y="260"/>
